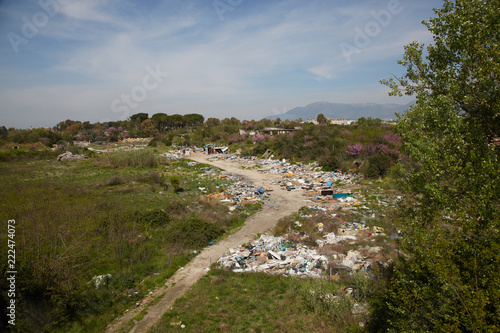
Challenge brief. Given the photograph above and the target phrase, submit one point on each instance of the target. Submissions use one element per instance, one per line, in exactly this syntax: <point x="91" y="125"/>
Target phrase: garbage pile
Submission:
<point x="242" y="193"/>
<point x="238" y="192"/>
<point x="273" y="255"/>
<point x="351" y="228"/>
<point x="320" y="187"/>
<point x="69" y="156"/>
<point x="177" y="154"/>
<point x="97" y="279"/>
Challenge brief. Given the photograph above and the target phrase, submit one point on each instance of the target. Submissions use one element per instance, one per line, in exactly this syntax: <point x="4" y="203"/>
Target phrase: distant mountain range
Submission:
<point x="344" y="111"/>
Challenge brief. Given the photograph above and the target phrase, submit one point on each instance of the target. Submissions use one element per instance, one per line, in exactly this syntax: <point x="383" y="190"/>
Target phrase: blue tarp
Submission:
<point x="342" y="195"/>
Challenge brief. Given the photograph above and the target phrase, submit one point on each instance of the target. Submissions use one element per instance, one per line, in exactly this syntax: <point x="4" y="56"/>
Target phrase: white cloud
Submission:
<point x="89" y="10"/>
<point x="262" y="55"/>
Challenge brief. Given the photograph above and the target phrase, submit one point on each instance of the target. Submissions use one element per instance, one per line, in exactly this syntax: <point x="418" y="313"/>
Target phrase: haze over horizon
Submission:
<point x="106" y="60"/>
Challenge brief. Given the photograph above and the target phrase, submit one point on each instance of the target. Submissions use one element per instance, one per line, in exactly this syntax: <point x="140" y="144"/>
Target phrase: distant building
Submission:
<point x="311" y="120"/>
<point x="270" y="131"/>
<point x="338" y="121"/>
<point x="335" y="121"/>
<point x="243" y="132"/>
<point x="275" y="130"/>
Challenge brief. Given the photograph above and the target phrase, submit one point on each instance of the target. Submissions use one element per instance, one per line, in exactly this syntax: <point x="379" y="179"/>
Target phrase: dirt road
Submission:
<point x="183" y="279"/>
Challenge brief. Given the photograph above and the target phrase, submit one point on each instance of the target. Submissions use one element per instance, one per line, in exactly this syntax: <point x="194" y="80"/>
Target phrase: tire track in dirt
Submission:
<point x="183" y="279"/>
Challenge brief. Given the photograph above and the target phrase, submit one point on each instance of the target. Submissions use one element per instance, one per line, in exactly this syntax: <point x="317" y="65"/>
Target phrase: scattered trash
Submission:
<point x="324" y="192"/>
<point x="69" y="156"/>
<point x="96" y="280"/>
<point x="273" y="255"/>
<point x="238" y="191"/>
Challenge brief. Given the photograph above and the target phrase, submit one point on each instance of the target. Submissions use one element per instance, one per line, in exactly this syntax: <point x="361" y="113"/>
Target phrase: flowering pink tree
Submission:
<point x="369" y="149"/>
<point x="381" y="147"/>
<point x="354" y="150"/>
<point x="392" y="138"/>
<point x="308" y="143"/>
<point x="391" y="152"/>
<point x="234" y="138"/>
<point x="258" y="137"/>
<point x="345" y="133"/>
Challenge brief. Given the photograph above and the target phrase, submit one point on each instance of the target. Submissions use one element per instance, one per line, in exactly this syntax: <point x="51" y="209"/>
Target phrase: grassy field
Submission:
<point x="228" y="302"/>
<point x="118" y="214"/>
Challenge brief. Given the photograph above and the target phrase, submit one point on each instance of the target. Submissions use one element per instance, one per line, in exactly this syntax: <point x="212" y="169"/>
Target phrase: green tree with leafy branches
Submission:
<point x="449" y="277"/>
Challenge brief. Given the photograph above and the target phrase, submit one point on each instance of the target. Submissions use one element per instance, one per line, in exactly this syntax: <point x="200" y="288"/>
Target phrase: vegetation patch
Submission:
<point x="82" y="219"/>
<point x="225" y="301"/>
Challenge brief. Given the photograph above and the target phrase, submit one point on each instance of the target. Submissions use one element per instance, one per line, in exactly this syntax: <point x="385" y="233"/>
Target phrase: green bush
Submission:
<point x="378" y="166"/>
<point x="154" y="217"/>
<point x="154" y="142"/>
<point x="333" y="161"/>
<point x="193" y="233"/>
<point x="114" y="181"/>
<point x="17" y="154"/>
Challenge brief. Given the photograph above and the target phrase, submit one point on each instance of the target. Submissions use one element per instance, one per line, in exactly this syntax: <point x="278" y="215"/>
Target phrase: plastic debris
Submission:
<point x="96" y="280"/>
<point x="273" y="255"/>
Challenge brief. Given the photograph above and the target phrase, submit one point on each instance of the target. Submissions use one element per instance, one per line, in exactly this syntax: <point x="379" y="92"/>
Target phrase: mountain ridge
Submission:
<point x="350" y="111"/>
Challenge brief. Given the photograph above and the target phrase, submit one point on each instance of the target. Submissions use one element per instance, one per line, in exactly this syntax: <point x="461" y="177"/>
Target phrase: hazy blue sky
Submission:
<point x="101" y="60"/>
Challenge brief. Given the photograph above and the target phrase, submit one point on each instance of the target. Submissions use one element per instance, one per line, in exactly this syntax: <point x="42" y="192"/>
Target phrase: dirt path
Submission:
<point x="183" y="279"/>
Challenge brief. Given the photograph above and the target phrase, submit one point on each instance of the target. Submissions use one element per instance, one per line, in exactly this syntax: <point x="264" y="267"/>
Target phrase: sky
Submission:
<point x="103" y="60"/>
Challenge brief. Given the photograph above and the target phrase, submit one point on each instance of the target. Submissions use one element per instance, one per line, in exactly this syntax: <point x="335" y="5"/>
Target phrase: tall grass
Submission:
<point x="67" y="232"/>
<point x="18" y="154"/>
<point x="224" y="301"/>
<point x="129" y="158"/>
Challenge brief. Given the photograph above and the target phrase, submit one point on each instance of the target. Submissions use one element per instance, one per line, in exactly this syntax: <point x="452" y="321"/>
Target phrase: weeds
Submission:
<point x="80" y="219"/>
<point x="114" y="180"/>
<point x="129" y="158"/>
<point x="225" y="301"/>
<point x="21" y="154"/>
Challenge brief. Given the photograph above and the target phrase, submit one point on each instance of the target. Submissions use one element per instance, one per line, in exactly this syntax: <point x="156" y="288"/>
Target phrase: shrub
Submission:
<point x="378" y="166"/>
<point x="154" y="217"/>
<point x="193" y="233"/>
<point x="141" y="157"/>
<point x="114" y="180"/>
<point x="17" y="154"/>
<point x="154" y="143"/>
<point x="333" y="160"/>
<point x="175" y="181"/>
<point x="354" y="150"/>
